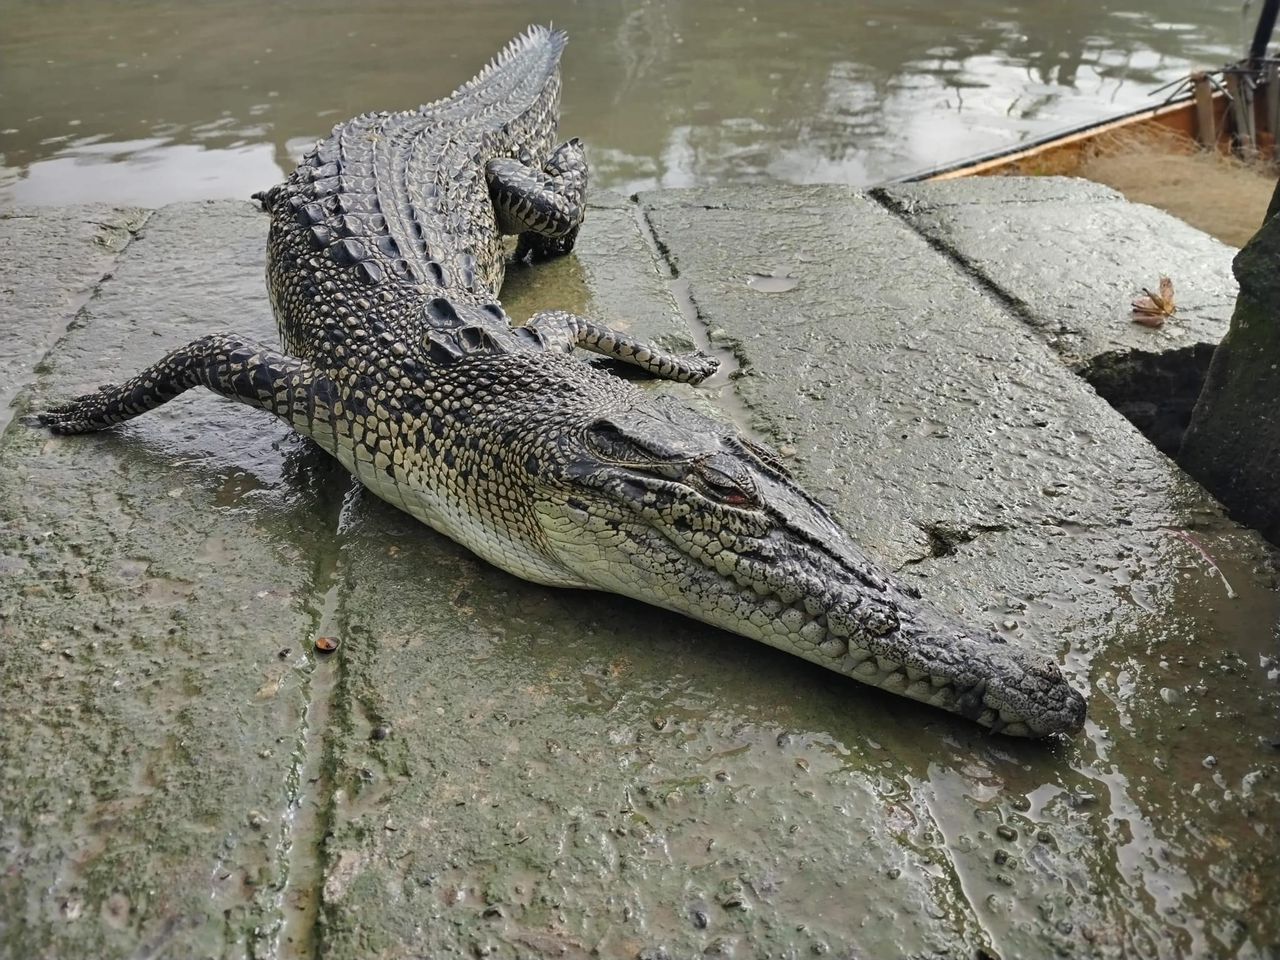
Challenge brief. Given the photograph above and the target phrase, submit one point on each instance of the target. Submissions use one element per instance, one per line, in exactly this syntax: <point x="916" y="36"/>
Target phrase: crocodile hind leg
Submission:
<point x="564" y="331"/>
<point x="545" y="207"/>
<point x="237" y="368"/>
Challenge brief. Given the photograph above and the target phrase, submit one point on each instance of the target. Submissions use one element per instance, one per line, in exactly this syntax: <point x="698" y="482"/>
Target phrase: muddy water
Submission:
<point x="148" y="102"/>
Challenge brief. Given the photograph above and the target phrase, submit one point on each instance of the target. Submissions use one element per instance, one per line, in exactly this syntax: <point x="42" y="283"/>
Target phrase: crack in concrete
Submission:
<point x="732" y="363"/>
<point x="13" y="397"/>
<point x="911" y="206"/>
<point x="945" y="539"/>
<point x="309" y="798"/>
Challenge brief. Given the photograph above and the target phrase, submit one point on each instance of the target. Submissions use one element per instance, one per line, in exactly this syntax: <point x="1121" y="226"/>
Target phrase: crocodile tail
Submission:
<point x="518" y="73"/>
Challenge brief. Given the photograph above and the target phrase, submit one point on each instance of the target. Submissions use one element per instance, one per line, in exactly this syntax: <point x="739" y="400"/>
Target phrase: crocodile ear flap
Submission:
<point x="608" y="439"/>
<point x="766" y="455"/>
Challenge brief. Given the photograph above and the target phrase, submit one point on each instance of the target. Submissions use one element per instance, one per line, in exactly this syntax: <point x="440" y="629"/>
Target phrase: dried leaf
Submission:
<point x="1146" y="313"/>
<point x="1153" y="309"/>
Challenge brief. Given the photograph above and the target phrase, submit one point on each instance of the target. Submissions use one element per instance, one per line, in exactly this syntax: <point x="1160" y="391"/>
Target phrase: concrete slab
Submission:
<point x="613" y="274"/>
<point x="957" y="448"/>
<point x="63" y="253"/>
<point x="565" y="774"/>
<point x="568" y="774"/>
<point x="1068" y="257"/>
<point x="490" y="768"/>
<point x="158" y="589"/>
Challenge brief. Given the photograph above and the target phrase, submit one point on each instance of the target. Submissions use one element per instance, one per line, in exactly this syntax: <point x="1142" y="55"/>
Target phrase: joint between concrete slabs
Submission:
<point x="311" y="781"/>
<point x="40" y="339"/>
<point x="1012" y="304"/>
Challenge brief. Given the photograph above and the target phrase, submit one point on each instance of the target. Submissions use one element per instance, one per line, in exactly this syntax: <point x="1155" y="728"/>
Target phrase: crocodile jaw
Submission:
<point x="824" y="602"/>
<point x="924" y="658"/>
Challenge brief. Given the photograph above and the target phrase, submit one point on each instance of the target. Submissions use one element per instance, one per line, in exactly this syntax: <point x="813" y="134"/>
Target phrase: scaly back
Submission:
<point x="393" y="209"/>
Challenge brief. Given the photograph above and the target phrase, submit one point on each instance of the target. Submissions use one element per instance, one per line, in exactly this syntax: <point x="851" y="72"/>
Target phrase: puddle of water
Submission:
<point x="152" y="101"/>
<point x="772" y="282"/>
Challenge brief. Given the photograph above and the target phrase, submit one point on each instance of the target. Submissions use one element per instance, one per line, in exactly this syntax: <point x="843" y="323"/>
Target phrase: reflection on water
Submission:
<point x="150" y="102"/>
<point x="90" y="170"/>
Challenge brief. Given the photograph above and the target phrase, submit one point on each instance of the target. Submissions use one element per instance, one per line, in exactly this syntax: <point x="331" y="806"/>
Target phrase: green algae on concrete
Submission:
<point x="1233" y="443"/>
<point x="155" y="604"/>
<point x="955" y="447"/>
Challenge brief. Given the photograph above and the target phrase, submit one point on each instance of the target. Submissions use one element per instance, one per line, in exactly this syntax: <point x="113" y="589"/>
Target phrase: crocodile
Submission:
<point x="386" y="252"/>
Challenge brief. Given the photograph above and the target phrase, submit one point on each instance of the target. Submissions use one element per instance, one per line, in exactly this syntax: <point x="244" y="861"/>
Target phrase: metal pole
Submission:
<point x="1262" y="33"/>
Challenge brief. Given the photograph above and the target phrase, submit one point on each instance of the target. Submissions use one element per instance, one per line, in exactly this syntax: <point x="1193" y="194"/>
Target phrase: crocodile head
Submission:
<point x="658" y="503"/>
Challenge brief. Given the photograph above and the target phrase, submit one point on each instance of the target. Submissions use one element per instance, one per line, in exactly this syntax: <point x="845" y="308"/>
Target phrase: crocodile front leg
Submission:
<point x="235" y="367"/>
<point x="564" y="331"/>
<point x="545" y="207"/>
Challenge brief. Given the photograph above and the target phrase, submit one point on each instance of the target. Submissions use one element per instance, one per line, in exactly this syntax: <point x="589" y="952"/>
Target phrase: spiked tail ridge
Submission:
<point x="523" y="66"/>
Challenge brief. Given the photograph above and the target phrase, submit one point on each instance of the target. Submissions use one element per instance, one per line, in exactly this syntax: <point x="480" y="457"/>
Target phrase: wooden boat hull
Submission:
<point x="1061" y="153"/>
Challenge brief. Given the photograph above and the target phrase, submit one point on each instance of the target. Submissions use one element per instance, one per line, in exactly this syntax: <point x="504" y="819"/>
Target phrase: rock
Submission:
<point x="1232" y="445"/>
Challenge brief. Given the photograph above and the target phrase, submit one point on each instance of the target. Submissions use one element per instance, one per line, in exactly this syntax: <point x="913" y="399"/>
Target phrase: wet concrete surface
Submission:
<point x="157" y="583"/>
<point x="490" y="768"/>
<point x="64" y="253"/>
<point x="1069" y="257"/>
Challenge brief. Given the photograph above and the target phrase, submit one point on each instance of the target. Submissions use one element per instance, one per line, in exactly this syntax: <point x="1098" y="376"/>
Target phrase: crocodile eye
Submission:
<point x="723" y="488"/>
